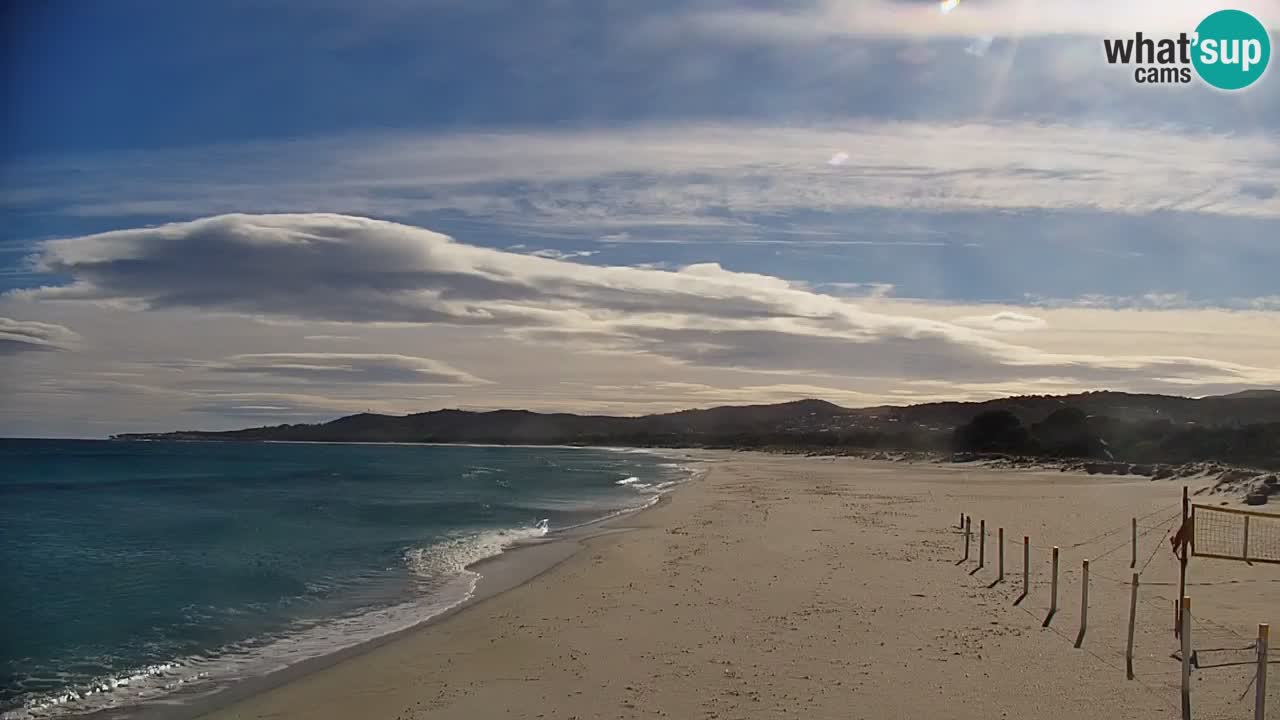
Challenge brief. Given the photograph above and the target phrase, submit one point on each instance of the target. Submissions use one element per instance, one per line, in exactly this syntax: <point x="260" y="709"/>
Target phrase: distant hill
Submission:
<point x="1252" y="395"/>
<point x="1233" y="428"/>
<point x="525" y="427"/>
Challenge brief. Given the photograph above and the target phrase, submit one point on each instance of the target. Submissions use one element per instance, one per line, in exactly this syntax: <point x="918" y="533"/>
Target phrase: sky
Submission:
<point x="219" y="215"/>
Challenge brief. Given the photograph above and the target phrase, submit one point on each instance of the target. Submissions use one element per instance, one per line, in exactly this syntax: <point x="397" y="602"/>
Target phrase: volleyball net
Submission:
<point x="1232" y="534"/>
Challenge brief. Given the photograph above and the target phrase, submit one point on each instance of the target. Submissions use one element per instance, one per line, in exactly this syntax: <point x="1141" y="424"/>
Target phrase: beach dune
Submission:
<point x="826" y="588"/>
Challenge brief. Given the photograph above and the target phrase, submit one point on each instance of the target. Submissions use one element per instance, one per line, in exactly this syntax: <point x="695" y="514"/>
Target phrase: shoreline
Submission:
<point x="516" y="565"/>
<point x="786" y="586"/>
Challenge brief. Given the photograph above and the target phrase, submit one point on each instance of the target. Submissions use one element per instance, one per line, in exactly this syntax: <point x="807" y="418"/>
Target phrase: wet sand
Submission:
<point x="816" y="587"/>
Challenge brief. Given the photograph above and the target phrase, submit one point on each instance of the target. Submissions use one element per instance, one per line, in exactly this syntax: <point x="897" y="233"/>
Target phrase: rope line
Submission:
<point x="1157" y="600"/>
<point x="1154" y="692"/>
<point x="1140" y="535"/>
<point x="1011" y="539"/>
<point x="1156" y="549"/>
<point x="1124" y="527"/>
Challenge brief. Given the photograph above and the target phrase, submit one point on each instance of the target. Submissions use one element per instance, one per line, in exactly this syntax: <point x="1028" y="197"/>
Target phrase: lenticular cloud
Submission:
<point x="341" y="268"/>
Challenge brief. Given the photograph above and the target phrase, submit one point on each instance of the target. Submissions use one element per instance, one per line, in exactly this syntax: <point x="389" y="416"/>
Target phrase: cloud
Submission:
<point x="706" y="176"/>
<point x="18" y="336"/>
<point x="554" y="254"/>
<point x="1004" y="321"/>
<point x="347" y="368"/>
<point x="1155" y="301"/>
<point x="847" y="289"/>
<point x="838" y="159"/>
<point x="980" y="46"/>
<point x="1259" y="190"/>
<point x="907" y="18"/>
<point x="335" y="268"/>
<point x="276" y="406"/>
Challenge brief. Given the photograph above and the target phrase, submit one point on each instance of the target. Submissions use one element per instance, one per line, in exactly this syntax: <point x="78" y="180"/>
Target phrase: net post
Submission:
<point x="1186" y="657"/>
<point x="1260" y="686"/>
<point x="1084" y="603"/>
<point x="1182" y="559"/>
<point x="1192" y="534"/>
<point x="1133" y="615"/>
<point x="1245" y="552"/>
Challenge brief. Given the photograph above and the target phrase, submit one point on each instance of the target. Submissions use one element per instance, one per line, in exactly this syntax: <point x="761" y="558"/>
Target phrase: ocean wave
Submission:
<point x="438" y="571"/>
<point x="648" y="487"/>
<point x="442" y="575"/>
<point x="454" y="555"/>
<point x="649" y="502"/>
<point x="476" y="471"/>
<point x="100" y="693"/>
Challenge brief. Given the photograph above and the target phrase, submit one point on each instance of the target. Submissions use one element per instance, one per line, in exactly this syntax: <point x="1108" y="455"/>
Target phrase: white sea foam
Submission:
<point x="616" y="513"/>
<point x="440" y="569"/>
<point x="452" y="556"/>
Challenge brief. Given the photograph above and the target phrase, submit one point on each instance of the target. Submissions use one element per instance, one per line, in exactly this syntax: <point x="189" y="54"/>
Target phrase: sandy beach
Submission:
<point x="780" y="586"/>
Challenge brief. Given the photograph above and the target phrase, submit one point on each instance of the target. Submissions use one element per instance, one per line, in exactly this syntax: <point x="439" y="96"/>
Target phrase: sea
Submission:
<point x="137" y="573"/>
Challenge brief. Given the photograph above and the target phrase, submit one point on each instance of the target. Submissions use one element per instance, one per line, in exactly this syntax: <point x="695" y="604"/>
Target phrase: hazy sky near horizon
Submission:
<point x="229" y="214"/>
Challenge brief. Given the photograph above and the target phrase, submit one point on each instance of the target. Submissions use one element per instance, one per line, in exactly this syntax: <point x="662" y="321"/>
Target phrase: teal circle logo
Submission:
<point x="1232" y="50"/>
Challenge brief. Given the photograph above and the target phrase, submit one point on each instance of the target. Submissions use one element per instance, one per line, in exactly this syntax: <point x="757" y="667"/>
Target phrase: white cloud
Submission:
<point x="1004" y="321"/>
<point x="846" y="289"/>
<point x="980" y="46"/>
<point x="554" y="254"/>
<point x="159" y="370"/>
<point x="1155" y="301"/>
<point x="1018" y="18"/>
<point x="277" y="406"/>
<point x="347" y="368"/>
<point x="332" y="268"/>
<point x="608" y="182"/>
<point x="24" y="336"/>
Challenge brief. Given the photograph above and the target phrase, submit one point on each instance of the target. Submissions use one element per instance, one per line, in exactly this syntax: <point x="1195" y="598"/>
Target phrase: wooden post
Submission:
<point x="982" y="543"/>
<point x="1186" y="657"/>
<point x="966" y="542"/>
<point x="1053" y="587"/>
<point x="1053" y="591"/>
<point x="1182" y="562"/>
<point x="1000" y="537"/>
<point x="1084" y="603"/>
<point x="1260" y="700"/>
<point x="1133" y="556"/>
<point x="961" y="525"/>
<point x="1246" y="538"/>
<point x="1133" y="616"/>
<point x="1026" y="565"/>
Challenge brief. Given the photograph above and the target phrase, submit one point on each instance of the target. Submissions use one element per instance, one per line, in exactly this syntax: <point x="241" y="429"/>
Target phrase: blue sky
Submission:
<point x="921" y="170"/>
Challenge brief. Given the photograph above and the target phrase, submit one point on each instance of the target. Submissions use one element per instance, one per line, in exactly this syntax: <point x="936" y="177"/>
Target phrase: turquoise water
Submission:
<point x="136" y="570"/>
